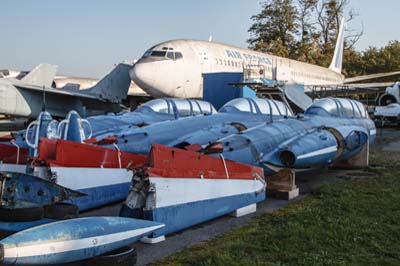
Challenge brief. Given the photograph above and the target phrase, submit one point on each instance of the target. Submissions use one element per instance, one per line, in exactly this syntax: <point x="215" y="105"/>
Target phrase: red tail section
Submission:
<point x="74" y="154"/>
<point x="172" y="162"/>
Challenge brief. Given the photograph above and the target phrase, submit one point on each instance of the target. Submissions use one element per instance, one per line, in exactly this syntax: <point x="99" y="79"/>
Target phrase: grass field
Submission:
<point x="353" y="222"/>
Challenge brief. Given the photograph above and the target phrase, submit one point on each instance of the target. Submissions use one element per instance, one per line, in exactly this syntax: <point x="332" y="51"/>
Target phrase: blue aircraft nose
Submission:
<point x="73" y="240"/>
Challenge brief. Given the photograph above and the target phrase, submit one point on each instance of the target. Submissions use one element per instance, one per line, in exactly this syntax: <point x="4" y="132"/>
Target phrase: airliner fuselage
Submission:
<point x="177" y="68"/>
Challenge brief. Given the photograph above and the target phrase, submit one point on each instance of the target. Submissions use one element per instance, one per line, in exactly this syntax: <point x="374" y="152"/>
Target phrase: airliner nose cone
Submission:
<point x="146" y="75"/>
<point x="141" y="75"/>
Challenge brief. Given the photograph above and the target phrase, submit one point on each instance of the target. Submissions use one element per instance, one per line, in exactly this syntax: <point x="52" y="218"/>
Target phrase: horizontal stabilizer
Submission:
<point x="42" y="75"/>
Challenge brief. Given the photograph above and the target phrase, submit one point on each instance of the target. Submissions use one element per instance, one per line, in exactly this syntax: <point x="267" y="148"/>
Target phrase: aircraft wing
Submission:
<point x="372" y="76"/>
<point x="47" y="90"/>
<point x="369" y="85"/>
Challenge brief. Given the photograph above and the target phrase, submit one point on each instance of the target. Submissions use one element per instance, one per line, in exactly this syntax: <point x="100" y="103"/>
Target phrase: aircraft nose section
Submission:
<point x="152" y="77"/>
<point x="143" y="75"/>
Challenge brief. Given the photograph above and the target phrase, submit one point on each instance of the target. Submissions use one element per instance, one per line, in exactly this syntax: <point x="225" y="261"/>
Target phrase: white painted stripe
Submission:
<point x="82" y="177"/>
<point x="318" y="152"/>
<point x="372" y="132"/>
<point x="18" y="168"/>
<point x="173" y="191"/>
<point x="71" y="245"/>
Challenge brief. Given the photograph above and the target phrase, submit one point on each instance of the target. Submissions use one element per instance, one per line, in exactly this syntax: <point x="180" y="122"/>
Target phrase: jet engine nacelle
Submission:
<point x="391" y="95"/>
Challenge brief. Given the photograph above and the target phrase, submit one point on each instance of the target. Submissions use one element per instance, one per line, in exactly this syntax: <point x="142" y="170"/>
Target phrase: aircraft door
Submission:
<point x="204" y="58"/>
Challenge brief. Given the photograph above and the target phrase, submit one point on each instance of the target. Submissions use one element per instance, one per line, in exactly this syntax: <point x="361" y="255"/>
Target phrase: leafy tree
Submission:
<point x="304" y="30"/>
<point x="275" y="28"/>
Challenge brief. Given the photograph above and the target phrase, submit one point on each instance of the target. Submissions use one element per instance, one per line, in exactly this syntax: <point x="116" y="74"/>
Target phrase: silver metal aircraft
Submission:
<point x="26" y="97"/>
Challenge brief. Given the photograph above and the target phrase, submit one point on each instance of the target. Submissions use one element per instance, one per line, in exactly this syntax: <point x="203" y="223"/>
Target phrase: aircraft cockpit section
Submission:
<point x="338" y="107"/>
<point x="164" y="53"/>
<point x="257" y="106"/>
<point x="178" y="107"/>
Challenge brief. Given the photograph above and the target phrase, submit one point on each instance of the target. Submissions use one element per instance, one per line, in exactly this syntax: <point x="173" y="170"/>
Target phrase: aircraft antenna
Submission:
<point x="44" y="99"/>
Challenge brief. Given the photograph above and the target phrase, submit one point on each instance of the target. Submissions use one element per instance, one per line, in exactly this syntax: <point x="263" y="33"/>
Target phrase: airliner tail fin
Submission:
<point x="336" y="64"/>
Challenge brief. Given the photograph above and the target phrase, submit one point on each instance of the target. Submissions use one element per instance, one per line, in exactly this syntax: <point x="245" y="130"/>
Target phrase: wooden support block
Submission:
<point x="282" y="185"/>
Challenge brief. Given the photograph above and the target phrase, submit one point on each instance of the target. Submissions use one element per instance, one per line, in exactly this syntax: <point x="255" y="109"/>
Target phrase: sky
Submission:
<point x="87" y="38"/>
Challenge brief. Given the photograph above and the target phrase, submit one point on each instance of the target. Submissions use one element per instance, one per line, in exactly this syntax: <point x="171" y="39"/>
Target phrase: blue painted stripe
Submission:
<point x="99" y="196"/>
<point x="179" y="217"/>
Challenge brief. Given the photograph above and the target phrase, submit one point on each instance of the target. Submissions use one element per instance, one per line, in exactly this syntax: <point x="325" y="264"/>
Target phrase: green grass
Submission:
<point x="352" y="222"/>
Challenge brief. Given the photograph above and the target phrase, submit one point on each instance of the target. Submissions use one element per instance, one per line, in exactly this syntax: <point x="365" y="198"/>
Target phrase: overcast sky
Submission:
<point x="86" y="38"/>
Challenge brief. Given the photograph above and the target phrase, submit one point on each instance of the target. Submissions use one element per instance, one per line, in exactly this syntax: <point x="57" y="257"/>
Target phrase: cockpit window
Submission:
<point x="158" y="53"/>
<point x="257" y="106"/>
<point x="178" y="55"/>
<point x="184" y="107"/>
<point x="337" y="107"/>
<point x="164" y="52"/>
<point x="236" y="105"/>
<point x="171" y="55"/>
<point x="157" y="105"/>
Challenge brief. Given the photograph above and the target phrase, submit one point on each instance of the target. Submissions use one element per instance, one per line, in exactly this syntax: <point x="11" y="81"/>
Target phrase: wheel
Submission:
<point x="21" y="214"/>
<point x="61" y="211"/>
<point x="125" y="256"/>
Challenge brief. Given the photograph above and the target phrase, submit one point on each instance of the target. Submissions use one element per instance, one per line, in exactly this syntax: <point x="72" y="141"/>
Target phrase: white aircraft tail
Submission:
<point x="337" y="60"/>
<point x="41" y="75"/>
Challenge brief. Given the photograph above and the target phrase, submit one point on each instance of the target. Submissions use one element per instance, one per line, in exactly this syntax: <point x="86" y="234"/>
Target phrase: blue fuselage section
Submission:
<point x="263" y="144"/>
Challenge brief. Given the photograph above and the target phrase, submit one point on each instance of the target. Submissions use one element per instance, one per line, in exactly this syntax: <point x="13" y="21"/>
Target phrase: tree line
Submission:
<point x="306" y="30"/>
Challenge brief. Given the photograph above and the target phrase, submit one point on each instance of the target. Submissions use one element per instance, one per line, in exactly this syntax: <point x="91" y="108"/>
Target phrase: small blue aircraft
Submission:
<point x="331" y="130"/>
<point x="234" y="117"/>
<point x="102" y="126"/>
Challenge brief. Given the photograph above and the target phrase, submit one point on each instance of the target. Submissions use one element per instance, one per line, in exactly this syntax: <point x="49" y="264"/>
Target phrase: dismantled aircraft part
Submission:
<point x="23" y="190"/>
<point x="386" y="99"/>
<point x="184" y="188"/>
<point x="331" y="130"/>
<point x="203" y="129"/>
<point x="308" y="150"/>
<point x="73" y="154"/>
<point x="151" y="112"/>
<point x="391" y="95"/>
<point x="73" y="240"/>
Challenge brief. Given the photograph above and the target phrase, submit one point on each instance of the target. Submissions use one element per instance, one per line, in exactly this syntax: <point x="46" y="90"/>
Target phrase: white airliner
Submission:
<point x="178" y="68"/>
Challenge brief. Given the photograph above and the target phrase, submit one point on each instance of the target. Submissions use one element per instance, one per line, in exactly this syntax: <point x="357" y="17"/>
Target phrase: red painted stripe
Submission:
<point x="9" y="154"/>
<point x="74" y="154"/>
<point x="172" y="162"/>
